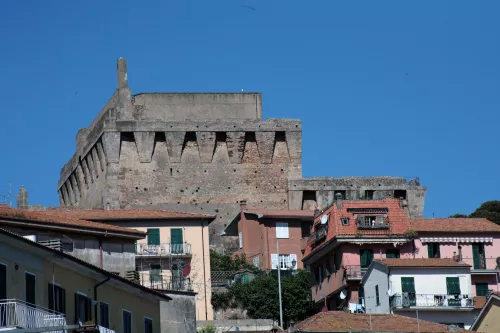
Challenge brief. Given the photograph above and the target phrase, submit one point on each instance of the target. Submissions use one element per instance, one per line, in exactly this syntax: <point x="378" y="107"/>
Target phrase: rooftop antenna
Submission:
<point x="8" y="198"/>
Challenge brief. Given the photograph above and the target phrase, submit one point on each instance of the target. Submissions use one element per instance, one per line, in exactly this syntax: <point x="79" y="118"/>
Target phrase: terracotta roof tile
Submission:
<point x="14" y="214"/>
<point x="399" y="222"/>
<point x="124" y="214"/>
<point x="282" y="213"/>
<point x="454" y="225"/>
<point x="421" y="262"/>
<point x="340" y="321"/>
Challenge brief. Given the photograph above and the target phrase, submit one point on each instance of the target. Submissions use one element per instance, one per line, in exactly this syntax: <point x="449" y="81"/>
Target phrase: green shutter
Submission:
<point x="408" y="284"/>
<point x="430" y="250"/>
<point x="392" y="253"/>
<point x="453" y="285"/>
<point x="176" y="242"/>
<point x="154" y="236"/>
<point x="366" y="257"/>
<point x="481" y="289"/>
<point x="478" y="256"/>
<point x="328" y="267"/>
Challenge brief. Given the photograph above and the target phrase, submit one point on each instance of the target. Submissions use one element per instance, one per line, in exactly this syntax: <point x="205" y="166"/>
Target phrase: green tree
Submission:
<point x="261" y="300"/>
<point x="489" y="210"/>
<point x="457" y="216"/>
<point x="225" y="262"/>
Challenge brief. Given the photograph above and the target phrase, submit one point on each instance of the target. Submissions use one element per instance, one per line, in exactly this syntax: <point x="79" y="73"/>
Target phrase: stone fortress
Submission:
<point x="203" y="152"/>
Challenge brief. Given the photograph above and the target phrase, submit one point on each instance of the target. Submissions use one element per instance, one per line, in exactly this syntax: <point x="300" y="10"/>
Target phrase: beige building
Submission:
<point x="175" y="254"/>
<point x="43" y="287"/>
<point x="488" y="320"/>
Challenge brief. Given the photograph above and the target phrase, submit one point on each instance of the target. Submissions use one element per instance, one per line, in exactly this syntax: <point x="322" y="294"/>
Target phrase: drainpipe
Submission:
<point x="204" y="268"/>
<point x="95" y="295"/>
<point x="100" y="253"/>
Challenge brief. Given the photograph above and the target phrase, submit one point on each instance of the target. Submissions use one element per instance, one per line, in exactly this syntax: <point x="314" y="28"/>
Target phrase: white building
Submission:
<point x="437" y="290"/>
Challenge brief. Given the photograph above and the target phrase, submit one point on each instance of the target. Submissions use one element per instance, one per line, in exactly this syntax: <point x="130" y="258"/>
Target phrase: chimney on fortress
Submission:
<point x="22" y="198"/>
<point x="121" y="68"/>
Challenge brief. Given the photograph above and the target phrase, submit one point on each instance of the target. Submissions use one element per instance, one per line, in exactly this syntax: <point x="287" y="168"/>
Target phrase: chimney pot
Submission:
<point x="338" y="197"/>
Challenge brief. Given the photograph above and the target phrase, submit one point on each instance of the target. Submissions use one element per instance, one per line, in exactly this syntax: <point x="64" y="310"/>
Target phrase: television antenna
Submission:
<point x="7" y="198"/>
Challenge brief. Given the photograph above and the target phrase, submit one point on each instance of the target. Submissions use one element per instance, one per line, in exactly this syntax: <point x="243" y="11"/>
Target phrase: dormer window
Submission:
<point x="372" y="222"/>
<point x="345" y="221"/>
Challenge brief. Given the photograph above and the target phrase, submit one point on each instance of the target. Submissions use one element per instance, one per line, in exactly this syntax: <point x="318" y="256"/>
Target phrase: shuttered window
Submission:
<point x="433" y="250"/>
<point x="408" y="286"/>
<point x="377" y="296"/>
<point x="154" y="236"/>
<point x="282" y="230"/>
<point x="176" y="240"/>
<point x="478" y="256"/>
<point x="57" y="298"/>
<point x="104" y="314"/>
<point x="3" y="281"/>
<point x="127" y="322"/>
<point x="481" y="289"/>
<point x="453" y="285"/>
<point x="148" y="325"/>
<point x="392" y="253"/>
<point x="366" y="257"/>
<point x="83" y="308"/>
<point x="30" y="287"/>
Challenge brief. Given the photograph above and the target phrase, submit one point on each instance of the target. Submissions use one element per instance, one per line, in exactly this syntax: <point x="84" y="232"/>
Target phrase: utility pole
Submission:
<point x="279" y="283"/>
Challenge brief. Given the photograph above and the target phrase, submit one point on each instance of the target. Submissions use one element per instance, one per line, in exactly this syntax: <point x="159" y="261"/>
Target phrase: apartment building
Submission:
<point x="439" y="290"/>
<point x="271" y="238"/>
<point x="475" y="241"/>
<point x="42" y="287"/>
<point x="346" y="238"/>
<point x="174" y="255"/>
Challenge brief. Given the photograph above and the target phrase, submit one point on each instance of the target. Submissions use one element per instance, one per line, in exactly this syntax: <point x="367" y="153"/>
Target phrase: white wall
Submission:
<point x="431" y="280"/>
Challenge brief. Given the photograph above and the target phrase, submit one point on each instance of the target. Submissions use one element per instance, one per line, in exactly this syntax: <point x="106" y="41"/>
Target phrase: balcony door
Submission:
<point x="176" y="241"/>
<point x="366" y="258"/>
<point x="478" y="256"/>
<point x="453" y="289"/>
<point x="408" y="289"/>
<point x="30" y="288"/>
<point x="154" y="236"/>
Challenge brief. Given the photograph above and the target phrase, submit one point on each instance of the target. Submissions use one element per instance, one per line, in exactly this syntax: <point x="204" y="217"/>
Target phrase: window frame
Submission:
<point x="377" y="295"/>
<point x="123" y="320"/>
<point x="6" y="288"/>
<point x="282" y="228"/>
<point x="61" y="307"/>
<point x="87" y="299"/>
<point x="26" y="287"/>
<point x="482" y="284"/>
<point x="345" y="221"/>
<point x="146" y="319"/>
<point x="100" y="315"/>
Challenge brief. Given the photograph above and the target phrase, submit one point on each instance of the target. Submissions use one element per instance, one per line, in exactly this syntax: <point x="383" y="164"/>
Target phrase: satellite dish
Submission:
<point x="343" y="294"/>
<point x="324" y="219"/>
<point x="186" y="270"/>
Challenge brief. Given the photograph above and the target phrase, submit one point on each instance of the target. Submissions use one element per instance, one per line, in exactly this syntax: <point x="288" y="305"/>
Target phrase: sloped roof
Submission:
<point x="125" y="214"/>
<point x="20" y="216"/>
<point x="340" y="321"/>
<point x="399" y="221"/>
<point x="454" y="225"/>
<point x="421" y="262"/>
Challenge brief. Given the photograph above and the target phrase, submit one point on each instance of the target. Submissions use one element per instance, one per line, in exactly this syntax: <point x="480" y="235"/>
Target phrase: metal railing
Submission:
<point x="409" y="300"/>
<point x="19" y="314"/>
<point x="160" y="282"/>
<point x="54" y="244"/>
<point x="378" y="223"/>
<point x="164" y="249"/>
<point x="105" y="330"/>
<point x="355" y="272"/>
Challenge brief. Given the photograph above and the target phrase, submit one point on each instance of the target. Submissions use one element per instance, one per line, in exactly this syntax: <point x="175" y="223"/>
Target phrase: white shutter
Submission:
<point x="285" y="230"/>
<point x="256" y="261"/>
<point x="282" y="230"/>
<point x="274" y="261"/>
<point x="240" y="235"/>
<point x="292" y="258"/>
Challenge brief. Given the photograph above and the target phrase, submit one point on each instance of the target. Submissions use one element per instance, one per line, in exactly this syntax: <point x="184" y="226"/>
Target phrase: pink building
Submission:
<point x="259" y="230"/>
<point x="346" y="238"/>
<point x="473" y="241"/>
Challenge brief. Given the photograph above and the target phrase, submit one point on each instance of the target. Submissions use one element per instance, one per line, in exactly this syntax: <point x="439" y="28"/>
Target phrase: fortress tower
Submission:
<point x="201" y="152"/>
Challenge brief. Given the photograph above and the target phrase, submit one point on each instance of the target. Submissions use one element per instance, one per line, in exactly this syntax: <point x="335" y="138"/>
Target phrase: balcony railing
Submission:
<point x="411" y="300"/>
<point x="379" y="222"/>
<point x="160" y="282"/>
<point x="355" y="272"/>
<point x="164" y="249"/>
<point x="18" y="314"/>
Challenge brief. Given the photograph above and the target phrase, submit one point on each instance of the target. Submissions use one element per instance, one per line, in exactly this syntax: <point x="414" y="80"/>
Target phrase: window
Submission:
<point x="154" y="236"/>
<point x="240" y="236"/>
<point x="377" y="296"/>
<point x="398" y="194"/>
<point x="83" y="308"/>
<point x="366" y="258"/>
<point x="104" y="314"/>
<point x="328" y="267"/>
<point x="478" y="256"/>
<point x="148" y="325"/>
<point x="453" y="288"/>
<point x="433" y="250"/>
<point x="370" y="220"/>
<point x="155" y="273"/>
<point x="284" y="261"/>
<point x="176" y="241"/>
<point x="408" y="288"/>
<point x="361" y="295"/>
<point x="341" y="192"/>
<point x="3" y="281"/>
<point x="306" y="230"/>
<point x="392" y="253"/>
<point x="255" y="261"/>
<point x="281" y="230"/>
<point x="127" y="321"/>
<point x="57" y="298"/>
<point x="482" y="289"/>
<point x="369" y="194"/>
<point x="345" y="221"/>
<point x="30" y="287"/>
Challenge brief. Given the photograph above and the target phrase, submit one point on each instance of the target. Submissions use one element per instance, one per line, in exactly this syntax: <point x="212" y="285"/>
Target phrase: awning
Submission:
<point x="456" y="239"/>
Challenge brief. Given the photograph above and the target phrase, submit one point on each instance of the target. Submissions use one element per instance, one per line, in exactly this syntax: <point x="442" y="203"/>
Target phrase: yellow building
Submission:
<point x="174" y="256"/>
<point x="43" y="287"/>
<point x="488" y="320"/>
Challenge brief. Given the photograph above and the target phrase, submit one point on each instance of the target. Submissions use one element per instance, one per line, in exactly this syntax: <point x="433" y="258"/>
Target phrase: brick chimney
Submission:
<point x="243" y="205"/>
<point x="338" y="199"/>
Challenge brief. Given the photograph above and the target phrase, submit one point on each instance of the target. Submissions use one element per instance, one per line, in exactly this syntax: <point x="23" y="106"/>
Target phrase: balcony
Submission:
<point x="355" y="272"/>
<point x="164" y="250"/>
<point x="432" y="301"/>
<point x="482" y="266"/>
<point x="160" y="282"/>
<point x="16" y="314"/>
<point x="372" y="222"/>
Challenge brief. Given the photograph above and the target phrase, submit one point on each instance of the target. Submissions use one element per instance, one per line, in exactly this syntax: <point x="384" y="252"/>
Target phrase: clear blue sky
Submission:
<point x="383" y="87"/>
